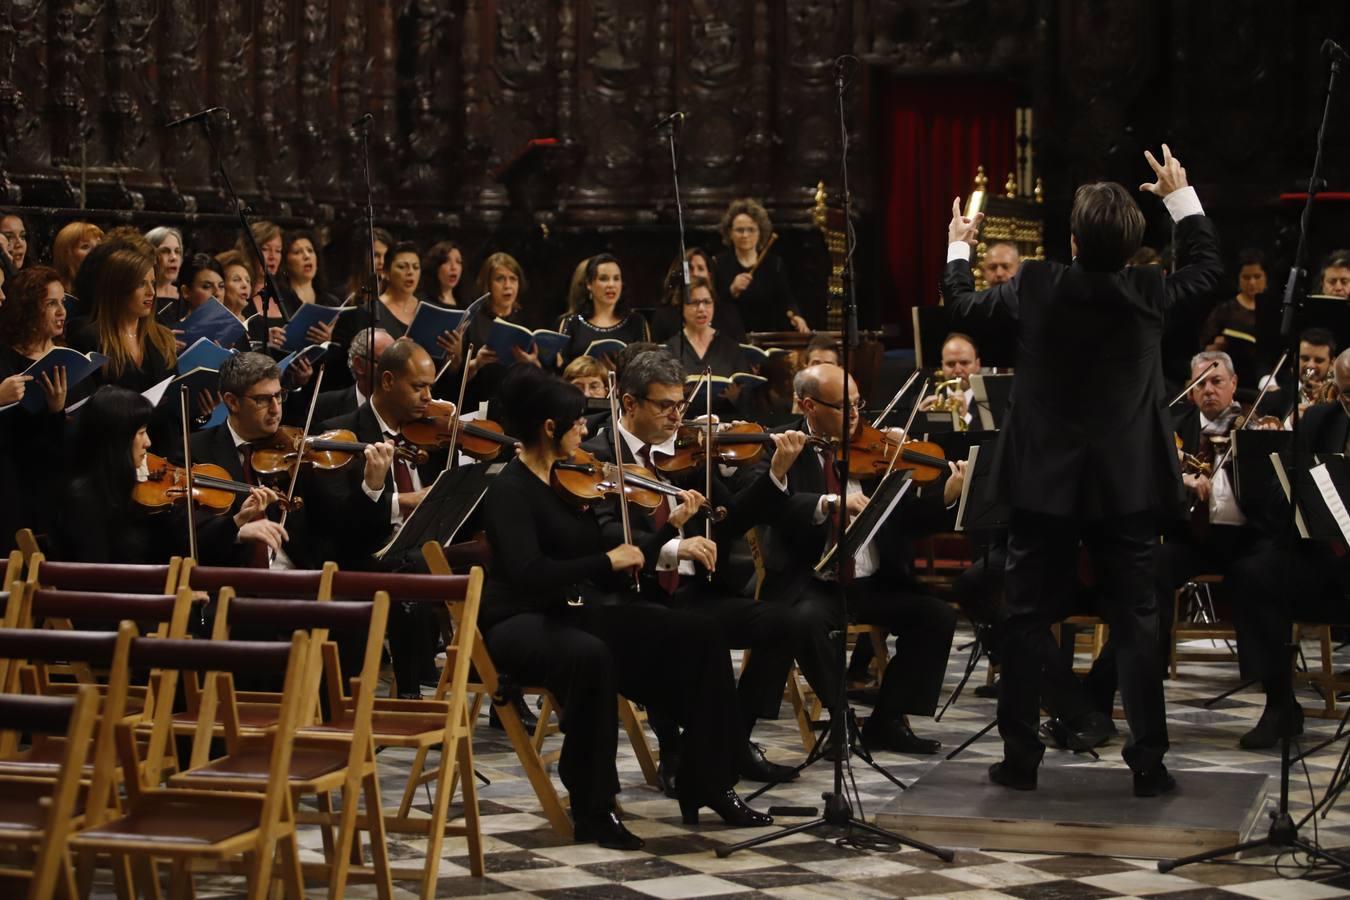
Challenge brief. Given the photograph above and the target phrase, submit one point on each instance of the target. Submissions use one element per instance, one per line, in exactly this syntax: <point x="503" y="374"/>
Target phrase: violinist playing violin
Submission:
<point x="882" y="591"/>
<point x="652" y="406"/>
<point x="250" y="388"/>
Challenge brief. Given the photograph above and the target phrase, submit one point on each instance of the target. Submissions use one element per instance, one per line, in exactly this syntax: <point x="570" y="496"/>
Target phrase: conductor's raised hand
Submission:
<point x="963" y="228"/>
<point x="1171" y="175"/>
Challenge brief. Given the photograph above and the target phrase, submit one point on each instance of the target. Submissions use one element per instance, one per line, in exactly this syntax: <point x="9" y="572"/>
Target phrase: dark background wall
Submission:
<point x="457" y="87"/>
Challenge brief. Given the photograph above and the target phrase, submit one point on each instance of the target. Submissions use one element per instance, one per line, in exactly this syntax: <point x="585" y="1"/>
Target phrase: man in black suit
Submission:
<point x="404" y="375"/>
<point x="651" y="395"/>
<point x="882" y="591"/>
<point x="1270" y="589"/>
<point x="342" y="401"/>
<point x="1087" y="454"/>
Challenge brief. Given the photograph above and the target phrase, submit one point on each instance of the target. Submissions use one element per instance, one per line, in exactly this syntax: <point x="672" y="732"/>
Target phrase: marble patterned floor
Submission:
<point x="525" y="859"/>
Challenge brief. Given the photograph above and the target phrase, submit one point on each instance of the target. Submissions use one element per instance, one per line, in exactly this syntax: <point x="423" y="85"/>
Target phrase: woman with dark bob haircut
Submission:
<point x="547" y="553"/>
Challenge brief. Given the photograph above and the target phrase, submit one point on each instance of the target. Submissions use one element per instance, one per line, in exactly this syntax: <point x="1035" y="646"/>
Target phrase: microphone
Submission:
<point x="196" y="117"/>
<point x="363" y="121"/>
<point x="670" y="120"/>
<point x="1334" y="51"/>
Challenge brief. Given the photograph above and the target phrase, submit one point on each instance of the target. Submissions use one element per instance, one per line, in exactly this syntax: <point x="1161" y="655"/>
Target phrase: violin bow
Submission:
<point x="300" y="450"/>
<point x="913" y="413"/>
<point x="876" y="423"/>
<point x="1251" y="416"/>
<point x="452" y="459"/>
<point x="187" y="471"/>
<point x="618" y="466"/>
<point x="1196" y="380"/>
<point x="708" y="449"/>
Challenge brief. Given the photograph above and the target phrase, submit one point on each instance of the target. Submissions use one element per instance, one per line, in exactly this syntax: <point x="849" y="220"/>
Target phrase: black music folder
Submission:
<point x="1251" y="462"/>
<point x="867" y="523"/>
<point x="979" y="508"/>
<point x="1321" y="494"/>
<point x="452" y="499"/>
<point x="992" y="394"/>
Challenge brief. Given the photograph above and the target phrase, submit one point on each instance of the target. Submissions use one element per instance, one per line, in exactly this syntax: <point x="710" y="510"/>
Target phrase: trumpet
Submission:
<point x="1312" y="390"/>
<point x="948" y="397"/>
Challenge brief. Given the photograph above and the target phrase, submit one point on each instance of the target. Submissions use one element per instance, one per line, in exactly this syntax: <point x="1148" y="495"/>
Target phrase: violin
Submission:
<point x="1191" y="464"/>
<point x="583" y="480"/>
<point x="482" y="439"/>
<point x="327" y="451"/>
<point x="734" y="444"/>
<point x="873" y="453"/>
<point x="212" y="487"/>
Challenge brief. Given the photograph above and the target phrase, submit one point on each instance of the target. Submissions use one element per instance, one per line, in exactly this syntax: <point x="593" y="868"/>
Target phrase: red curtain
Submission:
<point x="933" y="133"/>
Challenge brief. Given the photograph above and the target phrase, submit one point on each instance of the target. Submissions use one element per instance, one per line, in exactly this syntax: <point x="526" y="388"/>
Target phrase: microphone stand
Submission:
<point x="668" y="125"/>
<point x="373" y="286"/>
<point x="269" y="291"/>
<point x="1283" y="834"/>
<point x="839" y="813"/>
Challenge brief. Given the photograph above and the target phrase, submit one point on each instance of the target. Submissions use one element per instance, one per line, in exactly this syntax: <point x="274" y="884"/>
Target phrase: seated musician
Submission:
<point x="1269" y="590"/>
<point x="403" y="377"/>
<point x="882" y="592"/>
<point x="821" y="349"/>
<point x="754" y="282"/>
<point x="1335" y="278"/>
<point x="588" y="375"/>
<point x="651" y="401"/>
<point x="99" y="522"/>
<point x="250" y="388"/>
<point x="1220" y="530"/>
<point x="347" y="400"/>
<point x="960" y="360"/>
<point x="1316" y="350"/>
<point x="1001" y="262"/>
<point x="543" y="548"/>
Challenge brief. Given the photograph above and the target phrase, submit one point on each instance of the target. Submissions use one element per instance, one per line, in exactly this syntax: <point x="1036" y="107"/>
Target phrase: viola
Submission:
<point x="583" y="479"/>
<point x="872" y="453"/>
<point x="482" y="439"/>
<point x="327" y="451"/>
<point x="212" y="487"/>
<point x="734" y="444"/>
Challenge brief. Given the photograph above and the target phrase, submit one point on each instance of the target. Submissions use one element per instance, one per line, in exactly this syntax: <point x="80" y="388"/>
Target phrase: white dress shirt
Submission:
<point x="1223" y="505"/>
<point x="395" y="514"/>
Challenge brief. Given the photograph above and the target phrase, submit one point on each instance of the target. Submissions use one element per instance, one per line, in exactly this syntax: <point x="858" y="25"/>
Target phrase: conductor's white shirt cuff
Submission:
<point x="1183" y="202"/>
<point x="958" y="250"/>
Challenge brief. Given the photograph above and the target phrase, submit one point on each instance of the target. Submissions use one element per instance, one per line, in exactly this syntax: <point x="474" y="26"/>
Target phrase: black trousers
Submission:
<point x="1268" y="590"/>
<point x="659" y="657"/>
<point x="1042" y="557"/>
<point x="923" y="627"/>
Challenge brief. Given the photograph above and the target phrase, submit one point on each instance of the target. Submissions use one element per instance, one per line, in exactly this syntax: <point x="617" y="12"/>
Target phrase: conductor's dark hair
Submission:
<point x="531" y="397"/>
<point x="1319" y="337"/>
<point x="1251" y="257"/>
<point x="647" y="369"/>
<point x="101" y="452"/>
<point x="243" y="370"/>
<point x="1107" y="224"/>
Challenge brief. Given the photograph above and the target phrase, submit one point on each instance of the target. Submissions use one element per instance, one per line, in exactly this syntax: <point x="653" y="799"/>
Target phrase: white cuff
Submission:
<point x="958" y="250"/>
<point x="780" y="483"/>
<point x="1183" y="202"/>
<point x="374" y="495"/>
<point x="823" y="508"/>
<point x="669" y="557"/>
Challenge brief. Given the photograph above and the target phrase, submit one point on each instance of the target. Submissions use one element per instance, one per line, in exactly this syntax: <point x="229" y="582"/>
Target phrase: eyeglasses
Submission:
<point x="667" y="407"/>
<point x="262" y="401"/>
<point x="703" y="302"/>
<point x="860" y="403"/>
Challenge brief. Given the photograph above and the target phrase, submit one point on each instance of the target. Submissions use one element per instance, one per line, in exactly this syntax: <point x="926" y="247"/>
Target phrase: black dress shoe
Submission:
<point x="755" y="766"/>
<point x="1267" y="731"/>
<point x="667" y="767"/>
<point x="1005" y="775"/>
<point x="987" y="691"/>
<point x="1153" y="782"/>
<point x="1087" y="733"/>
<point x="607" y="831"/>
<point x="729" y="806"/>
<point x="895" y="735"/>
<point x="527" y="717"/>
<point x="410" y="695"/>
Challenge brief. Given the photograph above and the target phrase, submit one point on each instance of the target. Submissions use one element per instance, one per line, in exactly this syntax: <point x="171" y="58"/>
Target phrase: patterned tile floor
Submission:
<point x="525" y="859"/>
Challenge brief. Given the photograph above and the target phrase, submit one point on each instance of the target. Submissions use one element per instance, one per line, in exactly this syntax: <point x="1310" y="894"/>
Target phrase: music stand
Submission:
<point x="452" y="499"/>
<point x="992" y="394"/>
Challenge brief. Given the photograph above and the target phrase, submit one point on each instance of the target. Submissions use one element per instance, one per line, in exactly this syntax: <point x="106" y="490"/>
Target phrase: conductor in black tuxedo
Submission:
<point x="1088" y="454"/>
<point x="651" y="396"/>
<point x="1268" y="590"/>
<point x="882" y="590"/>
<point x="404" y="374"/>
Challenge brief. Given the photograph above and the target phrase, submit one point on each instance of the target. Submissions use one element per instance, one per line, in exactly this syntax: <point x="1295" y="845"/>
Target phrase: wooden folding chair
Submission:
<point x="37" y="815"/>
<point x="439" y="724"/>
<point x="487" y="685"/>
<point x="281" y="583"/>
<point x="124" y="579"/>
<point x="13" y="568"/>
<point x="324" y="759"/>
<point x="186" y="825"/>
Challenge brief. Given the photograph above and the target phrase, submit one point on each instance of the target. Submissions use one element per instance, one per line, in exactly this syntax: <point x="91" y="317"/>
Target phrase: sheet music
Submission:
<point x="965" y="487"/>
<point x="1322" y="478"/>
<point x="871" y="527"/>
